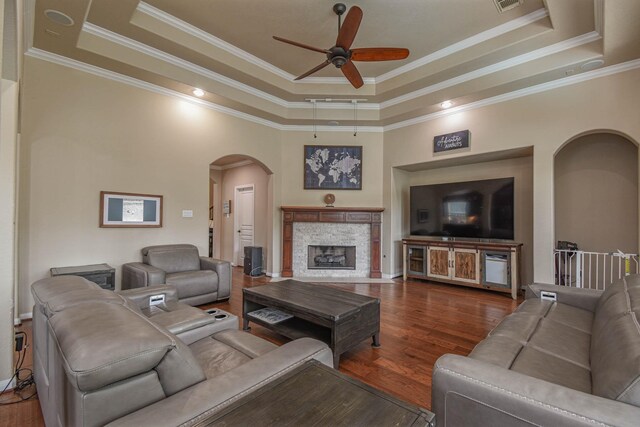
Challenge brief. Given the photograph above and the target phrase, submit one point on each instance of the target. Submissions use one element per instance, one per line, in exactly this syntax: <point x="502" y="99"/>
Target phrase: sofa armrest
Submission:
<point x="469" y="392"/>
<point x="212" y="395"/>
<point x="140" y="296"/>
<point x="138" y="275"/>
<point x="585" y="299"/>
<point x="223" y="268"/>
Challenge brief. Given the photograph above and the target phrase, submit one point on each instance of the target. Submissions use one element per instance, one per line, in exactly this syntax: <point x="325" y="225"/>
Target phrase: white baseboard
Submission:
<point x="3" y="383"/>
<point x="17" y="321"/>
<point x="273" y="275"/>
<point x="26" y="316"/>
<point x="392" y="275"/>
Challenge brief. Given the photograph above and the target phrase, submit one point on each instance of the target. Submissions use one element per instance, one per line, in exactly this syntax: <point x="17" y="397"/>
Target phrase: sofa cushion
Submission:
<point x="615" y="346"/>
<point x="81" y="296"/>
<point x="45" y="289"/>
<point x="172" y="258"/>
<point x="194" y="283"/>
<point x="562" y="341"/>
<point x="549" y="367"/>
<point x="105" y="343"/>
<point x="245" y="343"/>
<point x="545" y="340"/>
<point x="215" y="357"/>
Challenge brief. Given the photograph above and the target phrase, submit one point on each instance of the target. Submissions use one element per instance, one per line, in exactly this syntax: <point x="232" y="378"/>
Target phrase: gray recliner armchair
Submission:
<point x="199" y="280"/>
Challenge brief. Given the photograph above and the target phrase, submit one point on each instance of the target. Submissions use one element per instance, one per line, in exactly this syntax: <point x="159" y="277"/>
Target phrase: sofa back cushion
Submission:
<point x="172" y="258"/>
<point x="54" y="287"/>
<point x="615" y="342"/>
<point x="101" y="344"/>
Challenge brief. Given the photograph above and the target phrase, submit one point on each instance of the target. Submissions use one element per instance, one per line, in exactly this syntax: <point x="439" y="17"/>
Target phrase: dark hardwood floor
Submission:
<point x="420" y="321"/>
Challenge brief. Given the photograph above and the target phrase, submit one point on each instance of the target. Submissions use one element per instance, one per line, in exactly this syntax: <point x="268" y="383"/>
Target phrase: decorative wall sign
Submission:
<point x="130" y="210"/>
<point x="334" y="167"/>
<point x="451" y="141"/>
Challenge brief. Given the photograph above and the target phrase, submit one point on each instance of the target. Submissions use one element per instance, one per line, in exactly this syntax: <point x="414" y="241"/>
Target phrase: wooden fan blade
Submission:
<point x="379" y="54"/>
<point x="349" y="28"/>
<point x="352" y="74"/>
<point x="304" y="46"/>
<point x="313" y="70"/>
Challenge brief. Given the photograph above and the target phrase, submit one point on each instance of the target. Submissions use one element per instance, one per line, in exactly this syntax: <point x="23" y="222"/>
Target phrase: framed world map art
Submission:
<point x="332" y="167"/>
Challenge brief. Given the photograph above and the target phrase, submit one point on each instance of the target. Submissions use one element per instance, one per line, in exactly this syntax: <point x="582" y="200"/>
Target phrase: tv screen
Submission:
<point x="474" y="209"/>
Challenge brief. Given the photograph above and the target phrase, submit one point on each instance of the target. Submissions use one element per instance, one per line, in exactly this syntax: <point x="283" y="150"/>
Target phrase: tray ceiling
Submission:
<point x="461" y="50"/>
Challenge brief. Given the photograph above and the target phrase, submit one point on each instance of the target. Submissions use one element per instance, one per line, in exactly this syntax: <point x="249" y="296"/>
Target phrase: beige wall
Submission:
<point x="83" y="134"/>
<point x="544" y="120"/>
<point x="231" y="178"/>
<point x="293" y="193"/>
<point x="519" y="168"/>
<point x="104" y="135"/>
<point x="596" y="193"/>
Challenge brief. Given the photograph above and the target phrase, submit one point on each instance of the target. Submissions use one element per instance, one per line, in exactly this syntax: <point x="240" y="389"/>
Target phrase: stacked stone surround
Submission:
<point x="331" y="234"/>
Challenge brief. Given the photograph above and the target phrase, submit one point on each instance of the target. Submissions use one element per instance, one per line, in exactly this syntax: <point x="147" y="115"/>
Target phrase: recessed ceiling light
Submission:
<point x="58" y="17"/>
<point x="592" y="65"/>
<point x="446" y="104"/>
<point x="198" y="92"/>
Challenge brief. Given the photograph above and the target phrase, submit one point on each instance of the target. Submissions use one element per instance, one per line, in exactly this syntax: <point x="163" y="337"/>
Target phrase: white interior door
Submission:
<point x="244" y="227"/>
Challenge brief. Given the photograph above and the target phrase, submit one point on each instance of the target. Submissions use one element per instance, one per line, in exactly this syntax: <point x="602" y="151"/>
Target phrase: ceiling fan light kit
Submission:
<point x="341" y="55"/>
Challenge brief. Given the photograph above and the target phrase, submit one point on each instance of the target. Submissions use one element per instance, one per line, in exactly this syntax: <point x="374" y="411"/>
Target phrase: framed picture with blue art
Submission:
<point x="332" y="167"/>
<point x="130" y="210"/>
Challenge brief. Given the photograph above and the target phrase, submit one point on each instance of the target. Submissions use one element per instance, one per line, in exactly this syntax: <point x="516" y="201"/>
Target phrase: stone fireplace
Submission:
<point x="331" y="242"/>
<point x="325" y="257"/>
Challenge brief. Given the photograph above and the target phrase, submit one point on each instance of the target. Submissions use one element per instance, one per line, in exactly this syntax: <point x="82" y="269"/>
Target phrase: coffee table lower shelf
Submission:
<point x="293" y="328"/>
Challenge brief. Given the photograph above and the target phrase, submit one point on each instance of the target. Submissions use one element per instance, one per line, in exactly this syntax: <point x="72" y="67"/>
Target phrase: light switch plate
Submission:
<point x="187" y="214"/>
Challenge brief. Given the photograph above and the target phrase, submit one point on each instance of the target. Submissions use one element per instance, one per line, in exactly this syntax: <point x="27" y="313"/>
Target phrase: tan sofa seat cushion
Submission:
<point x="227" y="350"/>
<point x="545" y="340"/>
<point x="193" y="283"/>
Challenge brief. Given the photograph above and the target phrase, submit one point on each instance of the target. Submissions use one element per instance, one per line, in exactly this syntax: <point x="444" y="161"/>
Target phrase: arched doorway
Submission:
<point x="241" y="207"/>
<point x="596" y="192"/>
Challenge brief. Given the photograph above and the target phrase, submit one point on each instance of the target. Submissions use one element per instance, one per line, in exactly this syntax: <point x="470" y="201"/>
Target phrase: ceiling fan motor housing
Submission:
<point x="338" y="56"/>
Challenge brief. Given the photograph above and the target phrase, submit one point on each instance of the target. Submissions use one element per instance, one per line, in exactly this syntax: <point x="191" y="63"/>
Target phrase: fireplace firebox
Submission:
<point x="323" y="257"/>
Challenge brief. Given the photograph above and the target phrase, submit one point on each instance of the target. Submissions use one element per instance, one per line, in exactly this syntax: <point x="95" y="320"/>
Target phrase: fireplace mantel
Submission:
<point x="291" y="214"/>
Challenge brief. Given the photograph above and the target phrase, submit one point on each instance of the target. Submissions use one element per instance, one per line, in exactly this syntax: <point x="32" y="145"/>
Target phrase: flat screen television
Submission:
<point x="475" y="209"/>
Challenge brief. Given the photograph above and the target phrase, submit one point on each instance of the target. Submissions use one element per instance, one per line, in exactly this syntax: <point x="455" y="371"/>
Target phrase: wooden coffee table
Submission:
<point x="339" y="318"/>
<point x="316" y="395"/>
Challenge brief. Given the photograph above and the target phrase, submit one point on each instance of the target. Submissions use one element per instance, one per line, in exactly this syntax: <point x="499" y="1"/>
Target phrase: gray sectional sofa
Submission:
<point x="106" y="358"/>
<point x="575" y="361"/>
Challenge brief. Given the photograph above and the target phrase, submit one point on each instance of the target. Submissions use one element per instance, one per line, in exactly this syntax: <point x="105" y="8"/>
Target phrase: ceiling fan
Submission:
<point x="341" y="55"/>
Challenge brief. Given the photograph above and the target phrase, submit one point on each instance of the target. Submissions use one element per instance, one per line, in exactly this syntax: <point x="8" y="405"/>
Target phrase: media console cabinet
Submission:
<point x="493" y="265"/>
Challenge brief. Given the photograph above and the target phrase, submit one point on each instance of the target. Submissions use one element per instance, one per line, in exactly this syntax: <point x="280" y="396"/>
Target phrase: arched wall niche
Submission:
<point x="596" y="191"/>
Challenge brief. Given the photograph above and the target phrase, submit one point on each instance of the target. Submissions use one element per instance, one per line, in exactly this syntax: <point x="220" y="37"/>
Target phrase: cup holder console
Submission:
<point x="218" y="314"/>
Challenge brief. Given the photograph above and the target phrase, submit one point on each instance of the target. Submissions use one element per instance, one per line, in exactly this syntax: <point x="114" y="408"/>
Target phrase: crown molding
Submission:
<point x="112" y="75"/>
<point x="499" y="66"/>
<point x="543" y="87"/>
<point x="466" y="43"/>
<point x="144" y="49"/>
<point x="118" y="39"/>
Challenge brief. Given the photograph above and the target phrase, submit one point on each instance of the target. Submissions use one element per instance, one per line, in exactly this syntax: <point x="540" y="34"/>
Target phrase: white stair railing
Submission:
<point x="592" y="270"/>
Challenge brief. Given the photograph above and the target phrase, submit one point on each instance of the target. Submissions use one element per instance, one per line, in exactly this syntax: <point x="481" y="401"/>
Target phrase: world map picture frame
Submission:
<point x="332" y="167"/>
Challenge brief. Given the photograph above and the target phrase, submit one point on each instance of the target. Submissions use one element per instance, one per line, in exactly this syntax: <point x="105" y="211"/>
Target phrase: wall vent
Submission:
<point x="504" y="5"/>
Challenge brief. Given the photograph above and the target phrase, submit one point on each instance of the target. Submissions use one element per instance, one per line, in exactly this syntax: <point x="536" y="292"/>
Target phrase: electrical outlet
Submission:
<point x="19" y="342"/>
